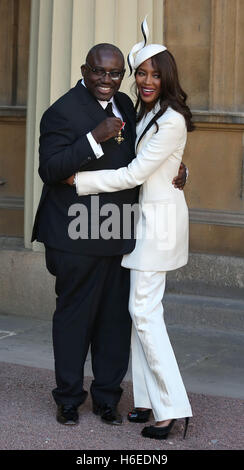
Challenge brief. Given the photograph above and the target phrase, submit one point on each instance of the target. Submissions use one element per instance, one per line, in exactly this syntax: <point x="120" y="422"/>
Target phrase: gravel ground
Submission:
<point x="28" y="420"/>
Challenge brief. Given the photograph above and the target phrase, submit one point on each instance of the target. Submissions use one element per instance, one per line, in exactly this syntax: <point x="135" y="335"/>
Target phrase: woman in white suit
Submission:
<point x="162" y="235"/>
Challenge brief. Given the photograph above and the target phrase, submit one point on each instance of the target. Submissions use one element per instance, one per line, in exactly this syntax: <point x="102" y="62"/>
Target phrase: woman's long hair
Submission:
<point x="171" y="91"/>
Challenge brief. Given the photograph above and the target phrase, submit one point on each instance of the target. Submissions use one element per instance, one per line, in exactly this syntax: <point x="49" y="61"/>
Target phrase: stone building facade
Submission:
<point x="44" y="42"/>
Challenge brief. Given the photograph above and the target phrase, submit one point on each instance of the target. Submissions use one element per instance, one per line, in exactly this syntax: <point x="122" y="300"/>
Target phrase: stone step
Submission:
<point x="196" y="311"/>
<point x="209" y="275"/>
<point x="208" y="292"/>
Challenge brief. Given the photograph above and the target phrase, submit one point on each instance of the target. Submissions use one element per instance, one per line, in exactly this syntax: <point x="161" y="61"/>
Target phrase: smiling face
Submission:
<point x="148" y="82"/>
<point x="103" y="87"/>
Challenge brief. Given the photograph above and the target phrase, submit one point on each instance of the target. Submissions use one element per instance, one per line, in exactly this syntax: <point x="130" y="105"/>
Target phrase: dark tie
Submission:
<point x="109" y="110"/>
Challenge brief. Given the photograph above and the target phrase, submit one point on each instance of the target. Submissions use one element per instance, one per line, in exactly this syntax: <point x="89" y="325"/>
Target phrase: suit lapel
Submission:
<point x="98" y="114"/>
<point x="96" y="111"/>
<point x="147" y="122"/>
<point x="148" y="126"/>
<point x="93" y="108"/>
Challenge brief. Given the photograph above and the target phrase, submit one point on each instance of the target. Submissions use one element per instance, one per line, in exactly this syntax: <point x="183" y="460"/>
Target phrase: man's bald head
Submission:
<point x="103" y="48"/>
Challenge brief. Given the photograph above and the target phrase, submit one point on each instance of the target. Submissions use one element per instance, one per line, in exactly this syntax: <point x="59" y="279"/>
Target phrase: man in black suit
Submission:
<point x="92" y="288"/>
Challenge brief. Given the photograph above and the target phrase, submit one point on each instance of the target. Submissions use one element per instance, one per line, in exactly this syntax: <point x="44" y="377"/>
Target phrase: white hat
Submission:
<point x="140" y="52"/>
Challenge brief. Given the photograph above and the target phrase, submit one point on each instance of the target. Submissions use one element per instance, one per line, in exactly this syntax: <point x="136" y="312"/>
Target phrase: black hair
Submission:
<point x="171" y="92"/>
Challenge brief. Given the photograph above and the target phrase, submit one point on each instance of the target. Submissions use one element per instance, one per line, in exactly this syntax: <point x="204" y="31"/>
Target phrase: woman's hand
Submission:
<point x="180" y="180"/>
<point x="69" y="180"/>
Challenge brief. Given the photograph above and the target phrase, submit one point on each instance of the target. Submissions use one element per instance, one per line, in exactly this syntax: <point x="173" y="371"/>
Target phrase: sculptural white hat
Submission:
<point x="141" y="52"/>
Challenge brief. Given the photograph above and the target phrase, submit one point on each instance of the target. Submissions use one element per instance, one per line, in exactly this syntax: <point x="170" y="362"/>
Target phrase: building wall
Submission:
<point x="14" y="49"/>
<point x="205" y="37"/>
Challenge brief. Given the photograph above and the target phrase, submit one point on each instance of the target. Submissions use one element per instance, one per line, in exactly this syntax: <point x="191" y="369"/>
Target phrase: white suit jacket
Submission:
<point x="162" y="229"/>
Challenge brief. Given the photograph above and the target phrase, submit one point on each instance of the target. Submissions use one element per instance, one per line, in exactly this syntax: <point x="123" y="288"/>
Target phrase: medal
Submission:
<point x="120" y="139"/>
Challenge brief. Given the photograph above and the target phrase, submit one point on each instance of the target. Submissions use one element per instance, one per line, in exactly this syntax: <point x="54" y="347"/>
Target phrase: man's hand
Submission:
<point x="179" y="181"/>
<point x="107" y="129"/>
<point x="69" y="180"/>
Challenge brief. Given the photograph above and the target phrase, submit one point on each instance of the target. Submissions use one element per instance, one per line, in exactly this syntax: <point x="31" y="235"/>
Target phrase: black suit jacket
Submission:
<point x="63" y="217"/>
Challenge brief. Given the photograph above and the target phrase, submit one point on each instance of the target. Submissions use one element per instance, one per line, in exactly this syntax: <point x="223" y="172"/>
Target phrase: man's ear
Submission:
<point x="83" y="69"/>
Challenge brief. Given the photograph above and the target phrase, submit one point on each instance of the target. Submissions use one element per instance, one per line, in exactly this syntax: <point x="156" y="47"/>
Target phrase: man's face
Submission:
<point x="103" y="87"/>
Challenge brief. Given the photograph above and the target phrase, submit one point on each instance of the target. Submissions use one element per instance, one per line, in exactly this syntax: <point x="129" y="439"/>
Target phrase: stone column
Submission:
<point x="62" y="32"/>
<point x="38" y="101"/>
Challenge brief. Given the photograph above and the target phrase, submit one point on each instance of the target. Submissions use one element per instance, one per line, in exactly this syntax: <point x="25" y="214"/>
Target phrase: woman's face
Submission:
<point x="148" y="82"/>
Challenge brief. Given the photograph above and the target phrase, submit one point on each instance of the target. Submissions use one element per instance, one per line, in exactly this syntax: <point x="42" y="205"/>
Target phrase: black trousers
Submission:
<point x="91" y="310"/>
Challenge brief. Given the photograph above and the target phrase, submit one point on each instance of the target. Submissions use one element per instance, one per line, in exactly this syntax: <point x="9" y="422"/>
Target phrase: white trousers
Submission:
<point x="157" y="383"/>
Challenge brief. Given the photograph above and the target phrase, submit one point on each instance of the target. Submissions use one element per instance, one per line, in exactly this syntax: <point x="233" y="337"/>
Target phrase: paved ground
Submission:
<point x="212" y="365"/>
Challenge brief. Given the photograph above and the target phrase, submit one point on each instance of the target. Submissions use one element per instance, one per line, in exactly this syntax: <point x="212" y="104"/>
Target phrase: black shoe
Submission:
<point x="158" y="432"/>
<point x="139" y="416"/>
<point x="108" y="413"/>
<point x="67" y="414"/>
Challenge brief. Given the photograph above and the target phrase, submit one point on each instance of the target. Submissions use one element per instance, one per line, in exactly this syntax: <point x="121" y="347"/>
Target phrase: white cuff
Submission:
<point x="76" y="183"/>
<point x="97" y="148"/>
